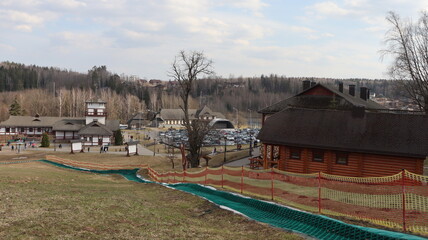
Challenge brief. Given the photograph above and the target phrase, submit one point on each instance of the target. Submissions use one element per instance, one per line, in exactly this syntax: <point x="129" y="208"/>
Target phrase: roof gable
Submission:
<point x="321" y="96"/>
<point x="95" y="128"/>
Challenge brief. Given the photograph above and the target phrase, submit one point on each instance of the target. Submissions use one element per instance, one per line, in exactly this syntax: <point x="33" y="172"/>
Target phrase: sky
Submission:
<point x="311" y="38"/>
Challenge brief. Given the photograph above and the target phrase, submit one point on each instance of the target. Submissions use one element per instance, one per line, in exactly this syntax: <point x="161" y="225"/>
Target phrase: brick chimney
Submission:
<point x="352" y="90"/>
<point x="306" y="84"/>
<point x="363" y="93"/>
<point x="341" y="87"/>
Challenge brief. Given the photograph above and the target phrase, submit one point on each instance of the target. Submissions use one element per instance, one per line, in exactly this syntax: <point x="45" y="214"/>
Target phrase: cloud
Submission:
<point x="255" y="6"/>
<point x="329" y="9"/>
<point x="7" y="47"/>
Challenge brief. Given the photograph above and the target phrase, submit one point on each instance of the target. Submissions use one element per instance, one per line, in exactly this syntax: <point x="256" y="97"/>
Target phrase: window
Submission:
<point x="342" y="158"/>
<point x="30" y="130"/>
<point x="39" y="129"/>
<point x="7" y="130"/>
<point x="22" y="129"/>
<point x="295" y="153"/>
<point x="317" y="156"/>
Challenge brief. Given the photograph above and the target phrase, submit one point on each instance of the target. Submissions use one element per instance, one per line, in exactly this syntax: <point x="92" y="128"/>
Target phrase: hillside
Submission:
<point x="61" y="92"/>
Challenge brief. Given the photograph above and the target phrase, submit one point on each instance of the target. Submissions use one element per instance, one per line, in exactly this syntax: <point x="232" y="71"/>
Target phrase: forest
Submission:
<point x="50" y="91"/>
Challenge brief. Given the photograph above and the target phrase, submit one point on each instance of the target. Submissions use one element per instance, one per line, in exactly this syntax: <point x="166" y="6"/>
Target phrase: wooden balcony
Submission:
<point x="256" y="163"/>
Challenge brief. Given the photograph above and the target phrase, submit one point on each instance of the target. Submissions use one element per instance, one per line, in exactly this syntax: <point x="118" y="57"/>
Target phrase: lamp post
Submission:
<point x="251" y="119"/>
<point x="154" y="149"/>
<point x="251" y="145"/>
<point x="224" y="157"/>
<point x="236" y="118"/>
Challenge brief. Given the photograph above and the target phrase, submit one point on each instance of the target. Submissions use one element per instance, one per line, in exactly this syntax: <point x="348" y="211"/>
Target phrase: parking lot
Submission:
<point x="213" y="138"/>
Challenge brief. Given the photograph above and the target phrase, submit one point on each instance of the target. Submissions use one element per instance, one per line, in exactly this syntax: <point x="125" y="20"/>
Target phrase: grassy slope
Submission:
<point x="40" y="201"/>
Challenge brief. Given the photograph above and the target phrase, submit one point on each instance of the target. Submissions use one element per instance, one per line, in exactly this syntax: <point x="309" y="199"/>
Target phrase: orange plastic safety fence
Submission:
<point x="398" y="201"/>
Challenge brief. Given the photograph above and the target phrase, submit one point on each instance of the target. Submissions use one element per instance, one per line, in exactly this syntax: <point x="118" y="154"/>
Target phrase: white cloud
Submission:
<point x="254" y="6"/>
<point x="7" y="47"/>
<point x="329" y="8"/>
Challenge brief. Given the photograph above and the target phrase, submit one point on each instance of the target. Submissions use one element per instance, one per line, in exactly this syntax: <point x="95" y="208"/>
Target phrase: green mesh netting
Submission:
<point x="316" y="226"/>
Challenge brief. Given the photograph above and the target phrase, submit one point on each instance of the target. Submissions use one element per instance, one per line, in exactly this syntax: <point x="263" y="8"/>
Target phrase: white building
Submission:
<point x="93" y="129"/>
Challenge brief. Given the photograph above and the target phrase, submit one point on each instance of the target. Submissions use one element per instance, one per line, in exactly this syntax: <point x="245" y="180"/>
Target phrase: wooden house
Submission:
<point x="354" y="142"/>
<point x="322" y="96"/>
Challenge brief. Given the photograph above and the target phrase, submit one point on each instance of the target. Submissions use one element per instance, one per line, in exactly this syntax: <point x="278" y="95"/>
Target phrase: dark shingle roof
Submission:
<point x="95" y="128"/>
<point x="377" y="133"/>
<point x="113" y="125"/>
<point x="69" y="124"/>
<point x="343" y="101"/>
<point x="29" y="121"/>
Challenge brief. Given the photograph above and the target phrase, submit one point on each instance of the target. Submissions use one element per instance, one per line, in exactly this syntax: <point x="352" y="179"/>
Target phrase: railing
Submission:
<point x="96" y="114"/>
<point x="256" y="163"/>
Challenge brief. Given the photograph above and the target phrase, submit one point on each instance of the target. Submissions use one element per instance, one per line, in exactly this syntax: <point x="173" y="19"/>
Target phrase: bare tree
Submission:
<point x="407" y="42"/>
<point x="186" y="69"/>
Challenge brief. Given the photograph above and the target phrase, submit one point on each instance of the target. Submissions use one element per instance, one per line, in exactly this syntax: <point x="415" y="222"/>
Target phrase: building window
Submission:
<point x="39" y="129"/>
<point x="342" y="158"/>
<point x="22" y="129"/>
<point x="7" y="130"/>
<point x="295" y="153"/>
<point x="275" y="153"/>
<point x="30" y="130"/>
<point x="317" y="156"/>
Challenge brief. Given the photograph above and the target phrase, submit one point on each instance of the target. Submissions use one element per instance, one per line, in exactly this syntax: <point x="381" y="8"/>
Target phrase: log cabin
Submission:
<point x="323" y="96"/>
<point x="354" y="142"/>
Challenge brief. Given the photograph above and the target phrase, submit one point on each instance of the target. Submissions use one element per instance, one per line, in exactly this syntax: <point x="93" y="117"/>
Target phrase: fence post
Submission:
<point x="403" y="189"/>
<point x="206" y="169"/>
<point x="242" y="179"/>
<point x="174" y="176"/>
<point x="272" y="186"/>
<point x="319" y="192"/>
<point x="222" y="173"/>
<point x="184" y="175"/>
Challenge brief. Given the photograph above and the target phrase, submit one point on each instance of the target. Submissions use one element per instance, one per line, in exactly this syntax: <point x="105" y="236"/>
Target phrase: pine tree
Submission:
<point x="118" y="137"/>
<point x="45" y="140"/>
<point x="15" y="108"/>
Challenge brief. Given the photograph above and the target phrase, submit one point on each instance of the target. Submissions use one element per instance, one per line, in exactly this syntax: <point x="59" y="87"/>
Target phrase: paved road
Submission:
<point x="93" y="149"/>
<point x="243" y="161"/>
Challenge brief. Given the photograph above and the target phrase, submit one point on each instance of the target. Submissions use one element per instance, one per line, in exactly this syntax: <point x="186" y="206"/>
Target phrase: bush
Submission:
<point x="45" y="140"/>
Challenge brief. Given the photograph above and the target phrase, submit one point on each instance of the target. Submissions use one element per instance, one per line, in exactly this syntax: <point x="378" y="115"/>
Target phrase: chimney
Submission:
<point x="352" y="90"/>
<point x="306" y="84"/>
<point x="313" y="84"/>
<point x="341" y="87"/>
<point x="363" y="93"/>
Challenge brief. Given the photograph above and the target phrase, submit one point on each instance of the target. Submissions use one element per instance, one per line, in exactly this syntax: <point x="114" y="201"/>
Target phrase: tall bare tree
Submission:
<point x="407" y="42"/>
<point x="186" y="69"/>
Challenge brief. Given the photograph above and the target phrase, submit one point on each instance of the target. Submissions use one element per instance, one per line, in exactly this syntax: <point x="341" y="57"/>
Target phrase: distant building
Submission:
<point x="321" y="96"/>
<point x="141" y="120"/>
<point x="93" y="129"/>
<point x="175" y="117"/>
<point x="219" y="123"/>
<point x="155" y="82"/>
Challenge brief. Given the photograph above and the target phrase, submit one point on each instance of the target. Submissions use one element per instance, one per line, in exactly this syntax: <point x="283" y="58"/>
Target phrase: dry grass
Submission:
<point x="40" y="201"/>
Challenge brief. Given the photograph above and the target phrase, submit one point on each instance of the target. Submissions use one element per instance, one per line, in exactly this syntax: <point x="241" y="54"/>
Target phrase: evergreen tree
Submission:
<point x="45" y="140"/>
<point x="15" y="108"/>
<point x="118" y="137"/>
